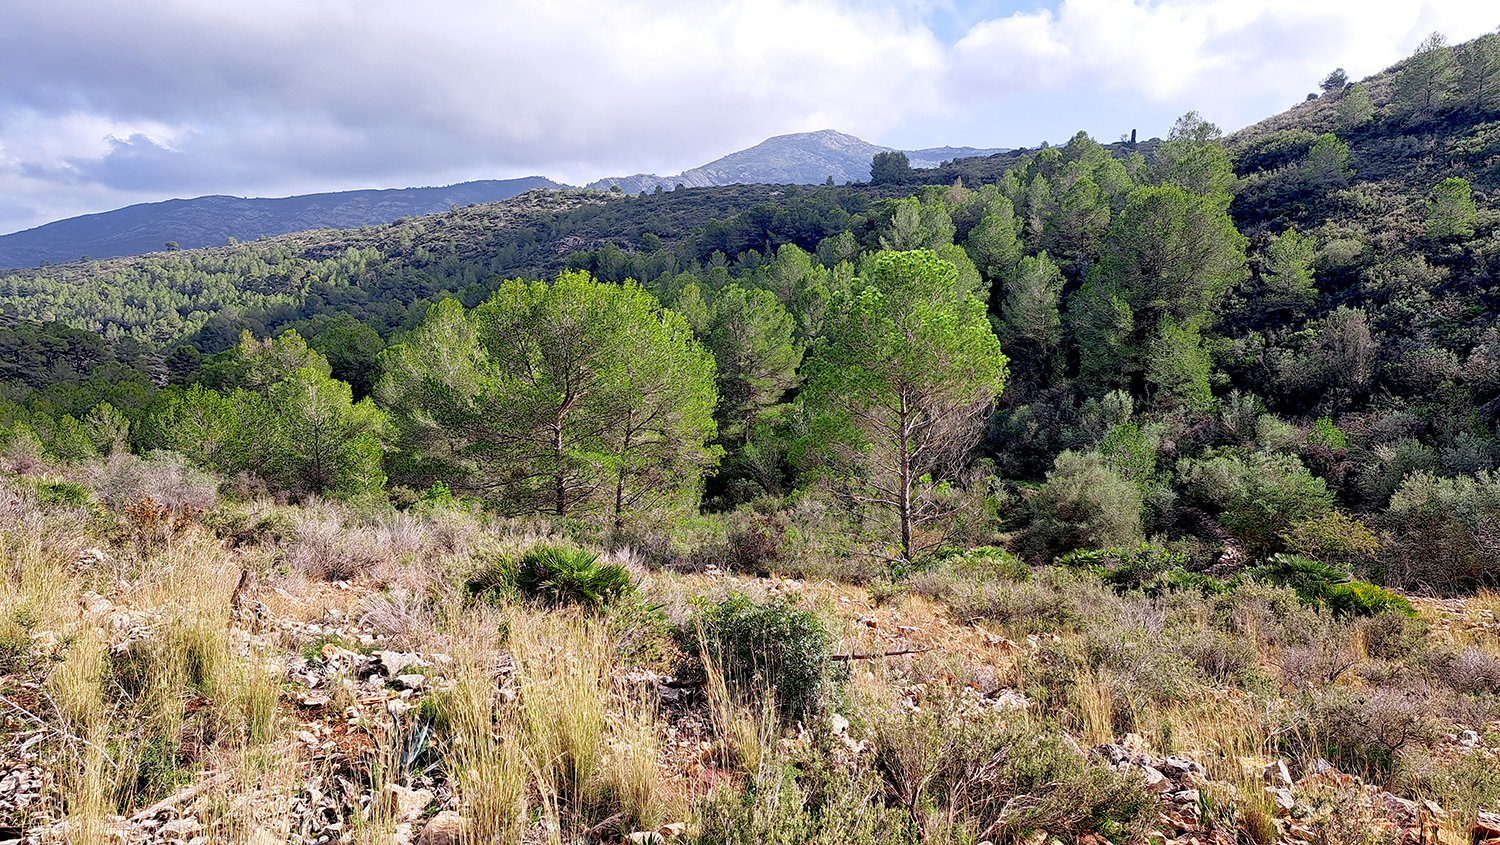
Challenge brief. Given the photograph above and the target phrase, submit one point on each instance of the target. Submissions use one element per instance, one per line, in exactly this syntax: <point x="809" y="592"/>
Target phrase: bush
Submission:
<point x="1444" y="533"/>
<point x="1324" y="585"/>
<point x="1334" y="537"/>
<point x="1146" y="568"/>
<point x="1273" y="493"/>
<point x="165" y="478"/>
<point x="1084" y="505"/>
<point x="777" y="807"/>
<point x="774" y="648"/>
<point x="995" y="782"/>
<point x="1363" y="730"/>
<point x="560" y="575"/>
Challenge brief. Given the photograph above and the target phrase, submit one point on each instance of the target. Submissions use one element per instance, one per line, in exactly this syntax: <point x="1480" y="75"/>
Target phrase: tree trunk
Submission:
<point x="560" y="501"/>
<point x="904" y="459"/>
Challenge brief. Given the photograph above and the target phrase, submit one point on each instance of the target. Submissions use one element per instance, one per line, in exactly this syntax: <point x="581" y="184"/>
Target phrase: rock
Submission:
<point x="445" y="828"/>
<point x="1155" y="781"/>
<point x="412" y="682"/>
<point x="1469" y="739"/>
<point x="407" y="804"/>
<point x="838" y="724"/>
<point x="643" y="837"/>
<point x="44" y="644"/>
<point x="1321" y="767"/>
<point x="675" y="830"/>
<point x="1398" y="807"/>
<point x="1009" y="699"/>
<point x="1485" y="825"/>
<point x="395" y="662"/>
<point x="1187" y="796"/>
<point x="1276" y="775"/>
<point x="1285" y="803"/>
<point x="1177" y="766"/>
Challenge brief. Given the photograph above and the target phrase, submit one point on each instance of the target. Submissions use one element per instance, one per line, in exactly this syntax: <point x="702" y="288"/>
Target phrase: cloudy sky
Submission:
<point x="104" y="103"/>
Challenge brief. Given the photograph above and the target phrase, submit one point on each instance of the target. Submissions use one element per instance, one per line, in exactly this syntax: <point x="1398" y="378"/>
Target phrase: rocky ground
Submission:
<point x="353" y="691"/>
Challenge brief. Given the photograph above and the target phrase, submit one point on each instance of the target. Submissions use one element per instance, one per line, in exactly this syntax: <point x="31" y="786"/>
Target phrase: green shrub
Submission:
<point x="1330" y="586"/>
<point x="560" y="575"/>
<point x="1084" y="504"/>
<point x="1274" y="493"/>
<point x="63" y="494"/>
<point x="555" y="575"/>
<point x="788" y="805"/>
<point x="774" y="648"/>
<point x="1148" y="568"/>
<point x="994" y="781"/>
<point x="1442" y="533"/>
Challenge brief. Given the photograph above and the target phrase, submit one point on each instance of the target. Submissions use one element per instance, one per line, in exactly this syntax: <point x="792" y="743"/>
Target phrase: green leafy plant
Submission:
<point x="560" y="575"/>
<point x="776" y="648"/>
<point x="1327" y="585"/>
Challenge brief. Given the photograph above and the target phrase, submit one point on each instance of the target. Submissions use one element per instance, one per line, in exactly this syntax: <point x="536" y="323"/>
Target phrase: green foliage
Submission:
<point x="890" y="168"/>
<point x="1450" y="209"/>
<point x="323" y="441"/>
<point x="560" y="575"/>
<point x="1422" y="83"/>
<point x="752" y="339"/>
<point x="1030" y="323"/>
<point x="908" y="372"/>
<point x="572" y="398"/>
<point x="787" y="804"/>
<point x="775" y="649"/>
<point x="1335" y="537"/>
<point x="1168" y="258"/>
<point x="1442" y="532"/>
<point x="551" y="574"/>
<point x="1147" y="568"/>
<point x="1325" y="433"/>
<point x="987" y="779"/>
<point x="1330" y="586"/>
<point x="1270" y="494"/>
<point x="1085" y="504"/>
<point x="1356" y="107"/>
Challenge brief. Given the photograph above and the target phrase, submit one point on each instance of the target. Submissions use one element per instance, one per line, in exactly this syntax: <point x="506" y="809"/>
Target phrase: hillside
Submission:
<point x="210" y="221"/>
<point x="1083" y="495"/>
<point x="805" y="158"/>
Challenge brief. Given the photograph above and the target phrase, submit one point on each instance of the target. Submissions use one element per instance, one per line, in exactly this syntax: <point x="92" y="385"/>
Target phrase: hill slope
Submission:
<point x="802" y="158"/>
<point x="211" y="220"/>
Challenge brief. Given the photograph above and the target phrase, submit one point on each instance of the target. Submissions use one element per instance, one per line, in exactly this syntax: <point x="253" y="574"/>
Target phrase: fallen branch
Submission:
<point x="181" y="797"/>
<point x="37" y="720"/>
<point x="878" y="655"/>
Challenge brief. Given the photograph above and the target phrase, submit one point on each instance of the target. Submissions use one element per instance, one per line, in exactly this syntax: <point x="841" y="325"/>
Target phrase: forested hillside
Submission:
<point x="1189" y="444"/>
<point x="211" y="221"/>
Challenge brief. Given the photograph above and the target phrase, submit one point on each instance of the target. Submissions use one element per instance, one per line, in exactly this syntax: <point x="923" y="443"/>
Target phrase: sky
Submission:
<point x="104" y="104"/>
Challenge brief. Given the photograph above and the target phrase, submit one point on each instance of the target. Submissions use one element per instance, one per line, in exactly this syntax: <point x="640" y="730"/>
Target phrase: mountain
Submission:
<point x="212" y="220"/>
<point x="803" y="158"/>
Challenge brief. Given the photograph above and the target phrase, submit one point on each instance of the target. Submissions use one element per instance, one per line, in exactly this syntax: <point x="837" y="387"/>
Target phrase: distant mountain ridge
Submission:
<point x="212" y="220"/>
<point x="806" y="158"/>
<point x="802" y="158"/>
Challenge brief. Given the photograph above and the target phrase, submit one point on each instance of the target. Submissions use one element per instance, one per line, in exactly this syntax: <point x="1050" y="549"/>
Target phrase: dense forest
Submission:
<point x="1168" y="380"/>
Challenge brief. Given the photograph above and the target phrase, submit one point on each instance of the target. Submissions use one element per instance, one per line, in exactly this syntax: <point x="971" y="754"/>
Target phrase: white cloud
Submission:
<point x="309" y="94"/>
<point x="105" y="103"/>
<point x="1237" y="60"/>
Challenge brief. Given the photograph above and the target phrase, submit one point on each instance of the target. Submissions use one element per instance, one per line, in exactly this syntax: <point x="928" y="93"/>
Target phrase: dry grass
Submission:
<point x="140" y="684"/>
